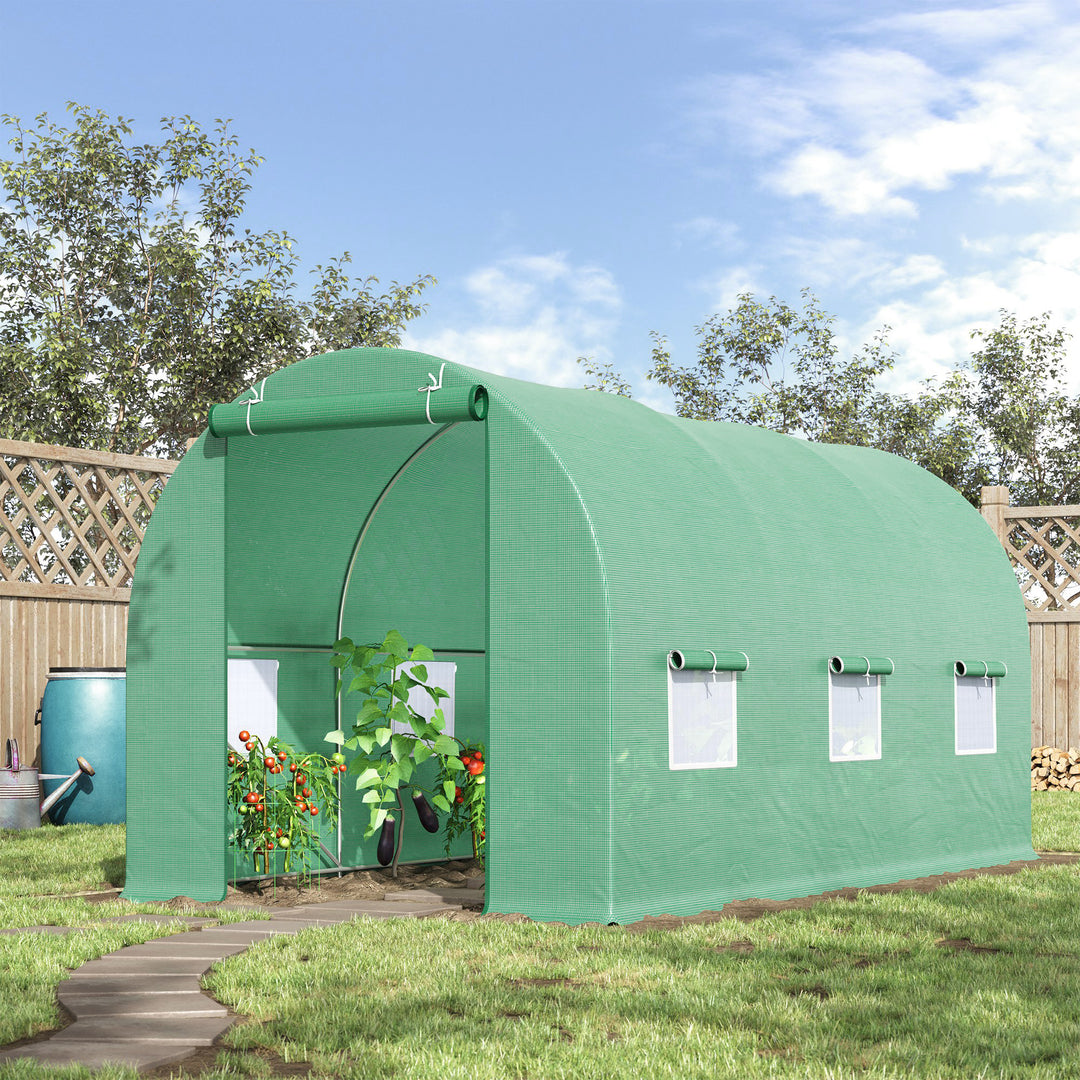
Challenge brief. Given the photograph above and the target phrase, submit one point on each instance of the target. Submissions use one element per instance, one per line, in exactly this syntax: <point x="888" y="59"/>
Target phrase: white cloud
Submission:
<point x="932" y="328"/>
<point x="864" y="129"/>
<point x="530" y="317"/>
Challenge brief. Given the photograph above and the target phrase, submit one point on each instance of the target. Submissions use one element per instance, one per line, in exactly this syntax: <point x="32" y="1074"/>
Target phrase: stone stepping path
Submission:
<point x="143" y="1005"/>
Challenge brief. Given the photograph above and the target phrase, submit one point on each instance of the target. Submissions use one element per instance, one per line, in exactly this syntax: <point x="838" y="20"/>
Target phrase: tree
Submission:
<point x="779" y="367"/>
<point x="130" y="298"/>
<point x="1003" y="417"/>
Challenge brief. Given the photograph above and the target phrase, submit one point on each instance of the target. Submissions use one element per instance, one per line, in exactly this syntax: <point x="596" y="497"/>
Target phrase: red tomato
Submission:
<point x="306" y="793"/>
<point x="244" y="736"/>
<point x="475" y="768"/>
<point x="270" y="845"/>
<point x="282" y="756"/>
<point x="251" y="797"/>
<point x="466" y="760"/>
<point x="300" y="778"/>
<point x="314" y="811"/>
<point x="259" y="808"/>
<point x="250" y="745"/>
<point x="269" y="762"/>
<point x="279" y="832"/>
<point x="292" y="767"/>
<point x="333" y="769"/>
<point x="301" y="805"/>
<point x="232" y="759"/>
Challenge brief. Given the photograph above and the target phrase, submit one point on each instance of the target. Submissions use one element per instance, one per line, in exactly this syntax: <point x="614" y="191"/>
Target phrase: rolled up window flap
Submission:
<point x="327" y="412"/>
<point x="861" y="665"/>
<point x="981" y="669"/>
<point x="707" y="660"/>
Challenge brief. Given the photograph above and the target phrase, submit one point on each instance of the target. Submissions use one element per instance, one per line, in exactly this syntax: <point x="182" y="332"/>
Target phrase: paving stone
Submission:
<point x="148" y="965"/>
<point x="454" y="897"/>
<point x="179" y="1031"/>
<point x="130" y="982"/>
<point x="475" y="882"/>
<point x="181" y="1005"/>
<point x="145" y="917"/>
<point x="241" y="939"/>
<point x="187" y="948"/>
<point x="96" y="1054"/>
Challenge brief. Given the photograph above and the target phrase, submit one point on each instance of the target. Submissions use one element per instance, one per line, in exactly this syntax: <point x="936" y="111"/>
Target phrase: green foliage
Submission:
<point x="282" y="815"/>
<point x="605" y="378"/>
<point x="1003" y="417"/>
<point x="464" y="799"/>
<point x="131" y="299"/>
<point x="386" y="759"/>
<point x="776" y="366"/>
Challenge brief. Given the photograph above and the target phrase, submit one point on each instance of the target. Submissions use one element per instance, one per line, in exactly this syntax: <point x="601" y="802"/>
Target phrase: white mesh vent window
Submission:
<point x="701" y="719"/>
<point x="976" y="716"/>
<point x="854" y="717"/>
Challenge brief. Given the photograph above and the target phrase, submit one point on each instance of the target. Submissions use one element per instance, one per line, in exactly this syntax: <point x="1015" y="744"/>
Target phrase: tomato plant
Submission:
<point x="392" y="740"/>
<point x="264" y="808"/>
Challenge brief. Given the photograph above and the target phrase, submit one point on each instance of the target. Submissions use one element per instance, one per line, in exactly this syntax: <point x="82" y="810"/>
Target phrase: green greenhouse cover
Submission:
<point x="556" y="547"/>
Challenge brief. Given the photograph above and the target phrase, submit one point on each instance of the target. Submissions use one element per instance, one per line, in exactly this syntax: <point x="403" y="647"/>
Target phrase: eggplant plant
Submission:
<point x="391" y="739"/>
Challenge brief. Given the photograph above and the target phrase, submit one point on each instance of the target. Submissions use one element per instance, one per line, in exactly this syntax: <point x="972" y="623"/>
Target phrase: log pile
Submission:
<point x="1054" y="769"/>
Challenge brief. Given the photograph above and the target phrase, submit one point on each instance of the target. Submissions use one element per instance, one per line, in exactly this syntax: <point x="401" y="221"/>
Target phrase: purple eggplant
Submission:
<point x="425" y="812"/>
<point x="385" y="851"/>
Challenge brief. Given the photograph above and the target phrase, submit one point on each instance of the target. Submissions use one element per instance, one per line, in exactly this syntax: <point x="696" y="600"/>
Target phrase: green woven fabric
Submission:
<point x="555" y="552"/>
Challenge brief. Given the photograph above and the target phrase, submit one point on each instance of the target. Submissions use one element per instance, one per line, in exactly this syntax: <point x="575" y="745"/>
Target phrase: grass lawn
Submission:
<point x="1055" y="820"/>
<point x="978" y="979"/>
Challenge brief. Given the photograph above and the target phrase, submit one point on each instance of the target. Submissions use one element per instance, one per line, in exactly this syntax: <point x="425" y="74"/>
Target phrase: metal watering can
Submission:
<point x="20" y="791"/>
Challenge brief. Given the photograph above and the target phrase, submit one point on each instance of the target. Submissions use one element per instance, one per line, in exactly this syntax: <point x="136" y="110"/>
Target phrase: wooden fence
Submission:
<point x="71" y="522"/>
<point x="1043" y="543"/>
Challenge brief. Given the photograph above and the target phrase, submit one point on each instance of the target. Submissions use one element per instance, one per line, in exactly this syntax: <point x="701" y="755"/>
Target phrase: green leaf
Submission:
<point x="440" y="803"/>
<point x="419" y="673"/>
<point x="400" y="747"/>
<point x="438" y="720"/>
<point x="445" y="745"/>
<point x="421" y="653"/>
<point x="367" y="778"/>
<point x="365" y="742"/>
<point x="374" y="795"/>
<point x="394" y="645"/>
<point x="454" y="764"/>
<point x="335" y="737"/>
<point x="342" y="645"/>
<point x="405" y="767"/>
<point x="382" y="735"/>
<point x="449" y="788"/>
<point x="421" y="752"/>
<point x="339" y="661"/>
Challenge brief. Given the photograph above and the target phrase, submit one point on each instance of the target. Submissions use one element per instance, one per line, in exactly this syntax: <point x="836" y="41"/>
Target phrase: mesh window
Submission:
<point x="701" y="719"/>
<point x="976" y="725"/>
<point x="854" y="717"/>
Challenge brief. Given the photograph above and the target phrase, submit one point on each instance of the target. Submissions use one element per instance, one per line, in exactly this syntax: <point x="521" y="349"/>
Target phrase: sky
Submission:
<point x="579" y="174"/>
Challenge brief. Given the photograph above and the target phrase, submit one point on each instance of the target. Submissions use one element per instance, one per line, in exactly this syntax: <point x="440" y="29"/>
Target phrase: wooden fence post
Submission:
<point x="993" y="503"/>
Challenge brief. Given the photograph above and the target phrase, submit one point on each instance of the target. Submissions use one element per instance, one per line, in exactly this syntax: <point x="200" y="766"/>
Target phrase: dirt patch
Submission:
<point x="270" y="894"/>
<point x="748" y="910"/>
<point x="964" y="945"/>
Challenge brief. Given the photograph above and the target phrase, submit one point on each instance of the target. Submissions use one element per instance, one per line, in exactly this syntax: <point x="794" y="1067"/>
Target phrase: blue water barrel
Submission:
<point x="83" y="714"/>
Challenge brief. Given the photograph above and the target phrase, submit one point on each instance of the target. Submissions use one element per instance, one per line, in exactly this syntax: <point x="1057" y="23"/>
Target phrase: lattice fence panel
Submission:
<point x="1045" y="551"/>
<point x="74" y="518"/>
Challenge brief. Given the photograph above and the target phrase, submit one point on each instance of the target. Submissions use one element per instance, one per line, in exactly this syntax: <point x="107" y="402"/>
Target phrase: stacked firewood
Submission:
<point x="1055" y="769"/>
